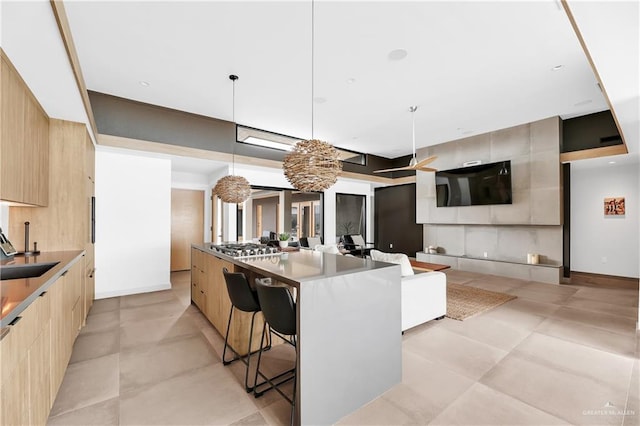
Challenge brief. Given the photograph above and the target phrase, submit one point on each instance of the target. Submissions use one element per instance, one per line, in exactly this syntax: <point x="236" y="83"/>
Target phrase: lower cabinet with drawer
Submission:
<point x="37" y="349"/>
<point x="25" y="353"/>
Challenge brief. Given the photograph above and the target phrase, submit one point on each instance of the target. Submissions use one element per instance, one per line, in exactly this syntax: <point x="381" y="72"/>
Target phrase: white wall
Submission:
<point x="4" y="218"/>
<point x="604" y="244"/>
<point x="133" y="223"/>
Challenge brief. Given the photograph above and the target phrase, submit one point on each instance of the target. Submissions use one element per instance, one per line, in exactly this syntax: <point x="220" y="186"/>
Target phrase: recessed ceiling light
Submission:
<point x="144" y="83"/>
<point x="467" y="132"/>
<point x="351" y="80"/>
<point x="397" y="55"/>
<point x="319" y="100"/>
<point x="612" y="162"/>
<point x="557" y="68"/>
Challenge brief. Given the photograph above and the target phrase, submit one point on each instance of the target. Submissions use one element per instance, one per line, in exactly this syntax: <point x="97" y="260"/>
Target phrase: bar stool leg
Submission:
<point x="226" y="339"/>
<point x="246" y="374"/>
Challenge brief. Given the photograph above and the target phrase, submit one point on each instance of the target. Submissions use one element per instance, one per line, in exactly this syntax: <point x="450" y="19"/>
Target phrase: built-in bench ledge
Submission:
<point x="542" y="272"/>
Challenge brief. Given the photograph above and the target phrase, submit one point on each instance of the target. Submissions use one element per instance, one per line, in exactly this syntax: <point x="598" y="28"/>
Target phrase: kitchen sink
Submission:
<point x="34" y="270"/>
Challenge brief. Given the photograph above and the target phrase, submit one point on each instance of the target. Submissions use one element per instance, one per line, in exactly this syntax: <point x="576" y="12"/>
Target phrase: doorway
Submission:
<point x="187" y="225"/>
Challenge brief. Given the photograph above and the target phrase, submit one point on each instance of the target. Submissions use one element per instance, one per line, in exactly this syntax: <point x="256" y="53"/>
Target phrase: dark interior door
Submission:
<point x="396" y="230"/>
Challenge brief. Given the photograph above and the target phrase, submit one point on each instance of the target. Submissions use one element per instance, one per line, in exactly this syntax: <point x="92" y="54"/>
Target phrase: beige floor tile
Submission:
<point x="490" y="331"/>
<point x="102" y="413"/>
<point x="481" y="405"/>
<point x="87" y="383"/>
<point x="498" y="287"/>
<point x="152" y="363"/>
<point x="142" y="299"/>
<point x="588" y="336"/>
<point x="460" y="277"/>
<point x="603" y="307"/>
<point x="94" y="345"/>
<point x="438" y="385"/>
<point x="565" y="290"/>
<point x="380" y="411"/>
<point x="156" y="330"/>
<point x="278" y="413"/>
<point x="103" y="321"/>
<point x="254" y="419"/>
<point x="600" y="366"/>
<point x="614" y="323"/>
<point x="216" y="341"/>
<point x="632" y="409"/>
<point x="620" y="297"/>
<point x="540" y="295"/>
<point x="208" y="395"/>
<point x="105" y="305"/>
<point x="561" y="393"/>
<point x="456" y="352"/>
<point x="133" y="315"/>
<point x="522" y="313"/>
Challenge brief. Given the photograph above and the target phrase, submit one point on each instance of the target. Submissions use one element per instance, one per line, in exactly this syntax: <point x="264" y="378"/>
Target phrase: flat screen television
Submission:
<point x="483" y="184"/>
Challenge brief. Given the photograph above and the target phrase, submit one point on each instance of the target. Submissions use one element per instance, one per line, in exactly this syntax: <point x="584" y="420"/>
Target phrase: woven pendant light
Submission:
<point x="312" y="165"/>
<point x="233" y="189"/>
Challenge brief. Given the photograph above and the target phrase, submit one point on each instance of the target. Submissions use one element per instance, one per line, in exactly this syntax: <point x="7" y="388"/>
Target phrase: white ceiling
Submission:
<point x="471" y="67"/>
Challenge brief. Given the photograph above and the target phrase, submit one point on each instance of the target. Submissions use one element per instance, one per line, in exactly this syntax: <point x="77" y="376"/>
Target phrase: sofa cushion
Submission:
<point x="397" y="258"/>
<point x="329" y="248"/>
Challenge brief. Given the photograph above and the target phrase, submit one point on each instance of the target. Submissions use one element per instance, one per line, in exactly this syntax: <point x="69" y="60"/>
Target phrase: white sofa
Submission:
<point x="423" y="295"/>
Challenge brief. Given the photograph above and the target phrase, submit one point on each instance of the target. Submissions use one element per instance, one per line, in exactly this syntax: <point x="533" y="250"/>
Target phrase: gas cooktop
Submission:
<point x="244" y="249"/>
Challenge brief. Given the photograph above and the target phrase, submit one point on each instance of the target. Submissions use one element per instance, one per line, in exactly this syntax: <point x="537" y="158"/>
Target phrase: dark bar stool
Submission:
<point x="279" y="312"/>
<point x="244" y="298"/>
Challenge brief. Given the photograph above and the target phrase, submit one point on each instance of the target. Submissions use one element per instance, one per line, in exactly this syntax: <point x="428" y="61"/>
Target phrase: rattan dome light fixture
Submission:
<point x="233" y="189"/>
<point x="312" y="165"/>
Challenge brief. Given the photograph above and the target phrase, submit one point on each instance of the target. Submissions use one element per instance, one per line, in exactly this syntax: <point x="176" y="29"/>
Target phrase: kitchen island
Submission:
<point x="348" y="326"/>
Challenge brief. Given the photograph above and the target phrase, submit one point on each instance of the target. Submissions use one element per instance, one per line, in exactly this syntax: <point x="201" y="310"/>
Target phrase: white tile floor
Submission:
<point x="554" y="355"/>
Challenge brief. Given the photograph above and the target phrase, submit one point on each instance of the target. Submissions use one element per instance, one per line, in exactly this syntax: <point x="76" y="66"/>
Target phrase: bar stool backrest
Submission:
<point x="240" y="293"/>
<point x="278" y="307"/>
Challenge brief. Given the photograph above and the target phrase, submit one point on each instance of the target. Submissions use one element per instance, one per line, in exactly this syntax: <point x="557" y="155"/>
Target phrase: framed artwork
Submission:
<point x="614" y="206"/>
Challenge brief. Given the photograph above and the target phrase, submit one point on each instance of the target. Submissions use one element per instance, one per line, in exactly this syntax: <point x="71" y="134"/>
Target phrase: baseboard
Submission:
<point x="130" y="291"/>
<point x="601" y="280"/>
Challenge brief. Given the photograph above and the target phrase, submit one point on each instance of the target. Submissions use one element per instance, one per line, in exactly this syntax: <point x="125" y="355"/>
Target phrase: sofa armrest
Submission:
<point x="424" y="297"/>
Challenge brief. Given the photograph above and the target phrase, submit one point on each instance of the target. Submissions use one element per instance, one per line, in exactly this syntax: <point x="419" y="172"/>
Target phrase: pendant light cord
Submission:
<point x="413" y="128"/>
<point x="233" y="79"/>
<point x="313" y="32"/>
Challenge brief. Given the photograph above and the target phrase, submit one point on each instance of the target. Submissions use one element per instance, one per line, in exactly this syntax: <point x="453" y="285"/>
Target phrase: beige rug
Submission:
<point x="465" y="301"/>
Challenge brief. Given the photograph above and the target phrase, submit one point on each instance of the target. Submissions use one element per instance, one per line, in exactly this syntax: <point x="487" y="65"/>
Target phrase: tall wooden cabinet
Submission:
<point x="65" y="224"/>
<point x="24" y="140"/>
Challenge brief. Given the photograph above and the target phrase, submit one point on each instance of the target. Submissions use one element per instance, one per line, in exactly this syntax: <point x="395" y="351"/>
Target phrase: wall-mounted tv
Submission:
<point x="483" y="184"/>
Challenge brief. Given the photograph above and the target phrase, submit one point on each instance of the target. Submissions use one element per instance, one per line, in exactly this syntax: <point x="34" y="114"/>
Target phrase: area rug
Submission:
<point x="465" y="301"/>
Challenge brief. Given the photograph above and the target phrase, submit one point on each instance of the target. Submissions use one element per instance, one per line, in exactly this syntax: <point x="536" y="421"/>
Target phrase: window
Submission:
<point x="271" y="140"/>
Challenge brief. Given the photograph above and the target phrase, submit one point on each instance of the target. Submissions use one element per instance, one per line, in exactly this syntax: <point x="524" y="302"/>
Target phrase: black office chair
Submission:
<point x="279" y="312"/>
<point x="244" y="298"/>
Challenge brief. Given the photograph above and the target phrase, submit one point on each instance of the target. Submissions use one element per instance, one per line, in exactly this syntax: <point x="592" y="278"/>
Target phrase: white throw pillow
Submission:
<point x="329" y="248"/>
<point x="397" y="258"/>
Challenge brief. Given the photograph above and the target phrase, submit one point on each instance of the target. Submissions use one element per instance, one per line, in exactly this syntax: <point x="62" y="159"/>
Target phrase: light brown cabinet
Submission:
<point x="65" y="224"/>
<point x="209" y="293"/>
<point x="24" y="141"/>
<point x="26" y="351"/>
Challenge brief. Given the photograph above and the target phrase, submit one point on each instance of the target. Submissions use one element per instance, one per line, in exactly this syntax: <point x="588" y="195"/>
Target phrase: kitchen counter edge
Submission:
<point x="67" y="260"/>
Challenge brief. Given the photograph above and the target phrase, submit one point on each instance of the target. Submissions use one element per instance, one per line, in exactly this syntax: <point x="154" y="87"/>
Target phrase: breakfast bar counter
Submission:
<point x="348" y="326"/>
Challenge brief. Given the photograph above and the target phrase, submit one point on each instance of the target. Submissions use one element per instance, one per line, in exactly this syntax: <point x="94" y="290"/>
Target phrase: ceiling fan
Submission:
<point x="414" y="164"/>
